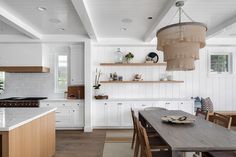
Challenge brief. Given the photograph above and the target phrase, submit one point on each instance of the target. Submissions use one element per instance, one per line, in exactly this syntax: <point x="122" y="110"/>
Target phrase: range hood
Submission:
<point x="25" y="69"/>
<point x="25" y="58"/>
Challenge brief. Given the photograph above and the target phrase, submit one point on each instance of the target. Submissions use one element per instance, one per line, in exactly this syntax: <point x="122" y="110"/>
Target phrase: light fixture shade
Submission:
<point x="183" y="64"/>
<point x="181" y="43"/>
<point x="181" y="50"/>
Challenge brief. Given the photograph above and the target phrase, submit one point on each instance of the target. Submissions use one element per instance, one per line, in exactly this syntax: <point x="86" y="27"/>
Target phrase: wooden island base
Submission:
<point x="33" y="139"/>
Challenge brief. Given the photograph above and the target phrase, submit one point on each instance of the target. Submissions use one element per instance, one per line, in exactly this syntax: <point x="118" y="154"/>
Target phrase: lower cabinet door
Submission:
<point x="186" y="106"/>
<point x="159" y="104"/>
<point x="78" y="117"/>
<point x="126" y="117"/>
<point x="100" y="114"/>
<point x="64" y="118"/>
<point x="172" y="105"/>
<point x="114" y="114"/>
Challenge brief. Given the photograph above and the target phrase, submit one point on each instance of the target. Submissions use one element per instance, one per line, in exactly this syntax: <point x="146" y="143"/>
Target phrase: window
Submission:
<point x="61" y="72"/>
<point x="2" y="81"/>
<point x="220" y="63"/>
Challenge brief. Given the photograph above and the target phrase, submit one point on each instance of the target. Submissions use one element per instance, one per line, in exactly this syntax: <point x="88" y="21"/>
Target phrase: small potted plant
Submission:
<point x="97" y="84"/>
<point x="129" y="57"/>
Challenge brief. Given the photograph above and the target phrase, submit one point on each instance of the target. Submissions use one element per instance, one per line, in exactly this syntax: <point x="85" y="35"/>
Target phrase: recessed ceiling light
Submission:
<point x="42" y="8"/>
<point x="61" y="29"/>
<point x="127" y="20"/>
<point x="150" y="18"/>
<point x="54" y="20"/>
<point x="123" y="29"/>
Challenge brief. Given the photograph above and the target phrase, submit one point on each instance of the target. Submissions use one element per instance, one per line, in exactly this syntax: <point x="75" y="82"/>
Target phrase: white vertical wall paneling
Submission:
<point x="197" y="83"/>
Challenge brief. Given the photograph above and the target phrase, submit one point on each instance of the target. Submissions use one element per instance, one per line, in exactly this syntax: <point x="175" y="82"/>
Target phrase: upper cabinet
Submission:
<point x="77" y="64"/>
<point x="23" y="57"/>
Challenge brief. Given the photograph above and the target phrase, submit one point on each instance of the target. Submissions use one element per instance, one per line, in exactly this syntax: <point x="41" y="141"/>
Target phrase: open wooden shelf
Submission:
<point x="25" y="69"/>
<point x="173" y="81"/>
<point x="132" y="64"/>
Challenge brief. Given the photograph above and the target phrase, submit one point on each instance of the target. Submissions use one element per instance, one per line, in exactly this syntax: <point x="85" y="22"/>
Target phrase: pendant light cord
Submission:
<point x="187" y="16"/>
<point x="181" y="12"/>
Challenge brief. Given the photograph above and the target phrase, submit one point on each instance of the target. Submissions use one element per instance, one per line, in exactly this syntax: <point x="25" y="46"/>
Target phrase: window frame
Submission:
<point x="221" y="74"/>
<point x="56" y="69"/>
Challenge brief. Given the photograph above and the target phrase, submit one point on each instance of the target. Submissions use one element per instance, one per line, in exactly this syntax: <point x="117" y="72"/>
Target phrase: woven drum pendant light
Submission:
<point x="181" y="42"/>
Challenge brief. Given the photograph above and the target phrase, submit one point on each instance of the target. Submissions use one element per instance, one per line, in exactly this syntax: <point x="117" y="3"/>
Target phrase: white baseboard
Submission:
<point x="88" y="129"/>
<point x="112" y="127"/>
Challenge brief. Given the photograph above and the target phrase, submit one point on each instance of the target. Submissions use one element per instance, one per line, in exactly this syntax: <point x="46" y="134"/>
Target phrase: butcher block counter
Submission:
<point x="27" y="132"/>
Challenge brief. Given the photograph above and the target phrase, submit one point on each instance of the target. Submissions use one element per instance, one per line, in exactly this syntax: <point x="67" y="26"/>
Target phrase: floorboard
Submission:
<point x="80" y="144"/>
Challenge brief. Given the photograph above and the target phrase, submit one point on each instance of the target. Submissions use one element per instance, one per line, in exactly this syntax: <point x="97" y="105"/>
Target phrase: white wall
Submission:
<point x="35" y="84"/>
<point x="196" y="83"/>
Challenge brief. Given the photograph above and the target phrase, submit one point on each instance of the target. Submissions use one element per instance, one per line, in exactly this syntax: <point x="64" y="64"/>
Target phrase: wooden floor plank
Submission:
<point x="80" y="144"/>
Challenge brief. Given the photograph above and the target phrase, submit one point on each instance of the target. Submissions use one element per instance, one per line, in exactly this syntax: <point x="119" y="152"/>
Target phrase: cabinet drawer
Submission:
<point x="64" y="124"/>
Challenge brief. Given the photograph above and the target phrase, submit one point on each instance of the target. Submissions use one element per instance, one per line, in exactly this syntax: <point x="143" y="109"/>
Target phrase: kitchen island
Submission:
<point x="27" y="132"/>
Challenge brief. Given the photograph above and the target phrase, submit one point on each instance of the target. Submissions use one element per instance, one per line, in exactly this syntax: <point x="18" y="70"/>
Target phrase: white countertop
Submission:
<point x="11" y="118"/>
<point x="62" y="99"/>
<point x="146" y="99"/>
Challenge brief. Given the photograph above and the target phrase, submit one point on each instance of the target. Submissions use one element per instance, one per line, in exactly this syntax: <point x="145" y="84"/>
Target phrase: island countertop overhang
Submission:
<point x="11" y="118"/>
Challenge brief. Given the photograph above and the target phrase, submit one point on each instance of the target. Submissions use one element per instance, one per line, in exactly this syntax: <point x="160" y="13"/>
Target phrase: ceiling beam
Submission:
<point x="220" y="27"/>
<point x="166" y="13"/>
<point x="85" y="17"/>
<point x="18" y="24"/>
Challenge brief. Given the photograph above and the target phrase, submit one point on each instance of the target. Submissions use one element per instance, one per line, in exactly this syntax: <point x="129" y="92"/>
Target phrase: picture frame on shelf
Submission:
<point x="220" y="64"/>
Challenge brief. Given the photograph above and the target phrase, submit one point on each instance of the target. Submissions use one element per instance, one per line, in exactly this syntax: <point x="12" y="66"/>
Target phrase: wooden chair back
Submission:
<point x="144" y="142"/>
<point x="133" y="118"/>
<point x="202" y="113"/>
<point x="222" y="120"/>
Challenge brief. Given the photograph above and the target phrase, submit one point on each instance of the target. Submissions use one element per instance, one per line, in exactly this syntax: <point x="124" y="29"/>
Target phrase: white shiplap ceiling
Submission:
<point x="6" y="29"/>
<point x="62" y="10"/>
<point x="106" y="16"/>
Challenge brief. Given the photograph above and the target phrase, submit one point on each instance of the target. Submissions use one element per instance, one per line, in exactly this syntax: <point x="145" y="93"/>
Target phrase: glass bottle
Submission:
<point x="119" y="56"/>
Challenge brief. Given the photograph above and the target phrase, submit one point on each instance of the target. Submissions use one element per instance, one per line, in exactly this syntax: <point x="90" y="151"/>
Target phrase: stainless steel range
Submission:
<point x="21" y="101"/>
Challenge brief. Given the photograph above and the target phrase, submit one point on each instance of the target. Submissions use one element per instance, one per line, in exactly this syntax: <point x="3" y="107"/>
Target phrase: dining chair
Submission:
<point x="146" y="144"/>
<point x="202" y="113"/>
<point x="224" y="121"/>
<point x="134" y="128"/>
<point x="156" y="142"/>
<point x="148" y="127"/>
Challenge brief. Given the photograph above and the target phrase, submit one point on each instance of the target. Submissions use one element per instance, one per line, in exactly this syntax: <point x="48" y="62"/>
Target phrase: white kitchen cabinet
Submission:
<point x="114" y="114"/>
<point x="69" y="114"/>
<point x="172" y="105"/>
<point x="141" y="105"/>
<point x="77" y="64"/>
<point x="100" y="114"/>
<point x="161" y="104"/>
<point x="186" y="106"/>
<point x="78" y="115"/>
<point x="126" y="117"/>
<point x="117" y="114"/>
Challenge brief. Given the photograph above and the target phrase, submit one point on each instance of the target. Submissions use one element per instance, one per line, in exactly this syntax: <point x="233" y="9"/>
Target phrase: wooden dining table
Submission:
<point x="200" y="136"/>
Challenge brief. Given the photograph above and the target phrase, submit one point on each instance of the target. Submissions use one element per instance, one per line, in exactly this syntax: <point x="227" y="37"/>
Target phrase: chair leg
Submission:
<point x="134" y="135"/>
<point x="136" y="148"/>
